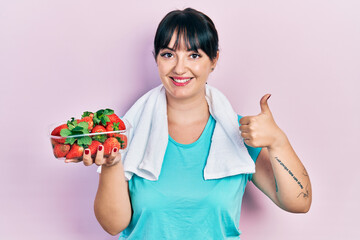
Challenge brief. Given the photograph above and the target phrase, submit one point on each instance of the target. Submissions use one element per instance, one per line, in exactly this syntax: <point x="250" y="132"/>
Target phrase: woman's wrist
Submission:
<point x="110" y="168"/>
<point x="280" y="141"/>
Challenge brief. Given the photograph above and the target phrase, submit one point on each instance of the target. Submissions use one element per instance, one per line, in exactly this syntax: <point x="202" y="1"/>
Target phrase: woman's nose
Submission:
<point x="180" y="67"/>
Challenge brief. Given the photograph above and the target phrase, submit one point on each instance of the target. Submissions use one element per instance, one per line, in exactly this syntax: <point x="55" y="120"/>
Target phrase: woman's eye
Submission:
<point x="167" y="55"/>
<point x="195" y="55"/>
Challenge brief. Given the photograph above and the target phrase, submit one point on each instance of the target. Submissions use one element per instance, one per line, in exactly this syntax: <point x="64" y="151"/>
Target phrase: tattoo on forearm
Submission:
<point x="289" y="171"/>
<point x="276" y="186"/>
<point x="306" y="193"/>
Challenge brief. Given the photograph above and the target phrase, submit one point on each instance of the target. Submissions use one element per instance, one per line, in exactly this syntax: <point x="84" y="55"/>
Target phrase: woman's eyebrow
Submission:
<point x="172" y="49"/>
<point x="193" y="50"/>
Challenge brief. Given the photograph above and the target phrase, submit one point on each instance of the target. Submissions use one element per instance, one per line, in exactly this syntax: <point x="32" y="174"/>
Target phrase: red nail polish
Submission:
<point x="100" y="148"/>
<point x="115" y="150"/>
<point x="87" y="151"/>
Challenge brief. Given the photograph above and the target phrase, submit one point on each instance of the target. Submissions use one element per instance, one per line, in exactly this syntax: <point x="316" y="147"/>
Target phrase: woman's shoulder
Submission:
<point x="239" y="117"/>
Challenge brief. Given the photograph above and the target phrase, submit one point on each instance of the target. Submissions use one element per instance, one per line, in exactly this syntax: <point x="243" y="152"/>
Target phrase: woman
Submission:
<point x="181" y="204"/>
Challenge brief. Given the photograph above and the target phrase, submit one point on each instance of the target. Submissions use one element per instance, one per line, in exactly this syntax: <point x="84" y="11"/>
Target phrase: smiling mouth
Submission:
<point x="184" y="80"/>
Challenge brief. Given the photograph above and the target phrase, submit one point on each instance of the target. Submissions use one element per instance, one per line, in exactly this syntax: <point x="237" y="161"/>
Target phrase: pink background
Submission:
<point x="60" y="58"/>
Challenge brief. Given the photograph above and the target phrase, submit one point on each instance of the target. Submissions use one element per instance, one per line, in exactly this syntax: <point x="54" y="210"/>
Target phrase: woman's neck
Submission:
<point x="187" y="111"/>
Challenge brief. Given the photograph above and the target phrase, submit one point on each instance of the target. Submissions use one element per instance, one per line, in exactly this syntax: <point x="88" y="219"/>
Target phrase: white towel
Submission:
<point x="149" y="138"/>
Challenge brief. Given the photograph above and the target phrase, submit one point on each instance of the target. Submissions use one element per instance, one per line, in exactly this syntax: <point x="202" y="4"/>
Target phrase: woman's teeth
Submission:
<point x="182" y="80"/>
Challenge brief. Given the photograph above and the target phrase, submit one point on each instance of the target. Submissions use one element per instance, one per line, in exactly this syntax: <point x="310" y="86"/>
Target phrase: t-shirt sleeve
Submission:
<point x="254" y="152"/>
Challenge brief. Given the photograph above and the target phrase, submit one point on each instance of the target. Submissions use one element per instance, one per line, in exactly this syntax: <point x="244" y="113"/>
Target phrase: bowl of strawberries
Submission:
<point x="103" y="127"/>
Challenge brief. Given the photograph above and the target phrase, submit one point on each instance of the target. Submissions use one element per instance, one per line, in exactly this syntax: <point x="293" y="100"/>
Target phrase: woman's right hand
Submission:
<point x="114" y="158"/>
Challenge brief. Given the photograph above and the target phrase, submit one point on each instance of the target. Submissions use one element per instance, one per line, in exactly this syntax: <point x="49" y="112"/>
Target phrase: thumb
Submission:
<point x="264" y="105"/>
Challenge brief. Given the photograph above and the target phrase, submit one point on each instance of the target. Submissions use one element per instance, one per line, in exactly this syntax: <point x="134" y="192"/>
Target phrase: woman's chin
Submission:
<point x="184" y="92"/>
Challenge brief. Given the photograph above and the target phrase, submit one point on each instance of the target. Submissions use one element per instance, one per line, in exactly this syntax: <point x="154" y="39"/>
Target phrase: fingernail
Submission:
<point x="115" y="150"/>
<point x="100" y="148"/>
<point x="87" y="151"/>
<point x="269" y="97"/>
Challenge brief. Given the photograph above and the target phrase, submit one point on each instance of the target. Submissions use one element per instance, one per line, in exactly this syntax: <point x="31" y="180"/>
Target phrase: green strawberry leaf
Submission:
<point x="70" y="127"/>
<point x="108" y="111"/>
<point x="84" y="141"/>
<point x="77" y="130"/>
<point x="71" y="124"/>
<point x="97" y="117"/>
<point x="100" y="112"/>
<point x="84" y="125"/>
<point x="96" y="120"/>
<point x="70" y="141"/>
<point x="116" y="126"/>
<point x="104" y="120"/>
<point x="65" y="132"/>
<point x="86" y="114"/>
<point x="101" y="138"/>
<point x="122" y="142"/>
<point x="101" y="116"/>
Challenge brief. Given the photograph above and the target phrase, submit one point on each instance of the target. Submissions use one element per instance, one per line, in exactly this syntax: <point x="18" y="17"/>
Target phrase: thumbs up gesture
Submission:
<point x="261" y="130"/>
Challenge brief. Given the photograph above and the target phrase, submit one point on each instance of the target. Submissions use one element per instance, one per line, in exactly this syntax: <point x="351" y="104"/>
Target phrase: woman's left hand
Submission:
<point x="261" y="130"/>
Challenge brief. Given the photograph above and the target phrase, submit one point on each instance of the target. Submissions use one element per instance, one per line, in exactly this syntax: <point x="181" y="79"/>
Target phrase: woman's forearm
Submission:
<point x="112" y="204"/>
<point x="293" y="187"/>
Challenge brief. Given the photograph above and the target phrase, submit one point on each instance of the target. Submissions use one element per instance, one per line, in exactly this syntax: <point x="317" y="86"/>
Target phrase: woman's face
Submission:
<point x="182" y="72"/>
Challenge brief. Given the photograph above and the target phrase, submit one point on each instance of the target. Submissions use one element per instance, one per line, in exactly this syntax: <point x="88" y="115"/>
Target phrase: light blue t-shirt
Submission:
<point x="182" y="204"/>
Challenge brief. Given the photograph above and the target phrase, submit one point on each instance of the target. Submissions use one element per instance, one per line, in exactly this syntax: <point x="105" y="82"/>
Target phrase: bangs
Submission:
<point x="197" y="31"/>
<point x="188" y="35"/>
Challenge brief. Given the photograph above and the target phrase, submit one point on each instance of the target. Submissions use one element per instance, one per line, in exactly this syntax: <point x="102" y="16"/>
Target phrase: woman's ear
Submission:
<point x="214" y="61"/>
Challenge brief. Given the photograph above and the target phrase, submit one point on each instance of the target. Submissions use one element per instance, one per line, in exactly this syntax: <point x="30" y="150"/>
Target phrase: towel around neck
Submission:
<point x="149" y="138"/>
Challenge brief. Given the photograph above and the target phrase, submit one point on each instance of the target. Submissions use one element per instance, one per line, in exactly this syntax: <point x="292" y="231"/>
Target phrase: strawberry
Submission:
<point x="100" y="137"/>
<point x="53" y="142"/>
<point x="98" y="128"/>
<point x="94" y="147"/>
<point x="107" y="116"/>
<point x="115" y="119"/>
<point x="122" y="140"/>
<point x="113" y="127"/>
<point x="75" y="152"/>
<point x="60" y="150"/>
<point x="109" y="144"/>
<point x="101" y="116"/>
<point x="89" y="121"/>
<point x="77" y="127"/>
<point x="56" y="132"/>
<point x="87" y="114"/>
